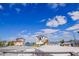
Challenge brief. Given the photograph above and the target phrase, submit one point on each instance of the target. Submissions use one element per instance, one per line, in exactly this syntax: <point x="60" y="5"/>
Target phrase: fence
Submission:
<point x="36" y="53"/>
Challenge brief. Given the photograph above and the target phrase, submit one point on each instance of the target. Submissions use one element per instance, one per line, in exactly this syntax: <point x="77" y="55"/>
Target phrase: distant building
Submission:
<point x="70" y="43"/>
<point x="67" y="44"/>
<point x="19" y="42"/>
<point x="41" y="40"/>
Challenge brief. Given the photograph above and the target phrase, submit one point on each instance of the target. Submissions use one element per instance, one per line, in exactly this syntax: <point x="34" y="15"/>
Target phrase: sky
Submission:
<point x="54" y="20"/>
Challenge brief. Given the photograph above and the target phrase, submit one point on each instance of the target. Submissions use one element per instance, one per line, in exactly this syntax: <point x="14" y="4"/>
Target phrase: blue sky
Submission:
<point x="56" y="21"/>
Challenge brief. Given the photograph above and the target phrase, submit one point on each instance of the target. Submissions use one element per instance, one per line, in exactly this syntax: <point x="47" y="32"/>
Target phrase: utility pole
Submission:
<point x="75" y="38"/>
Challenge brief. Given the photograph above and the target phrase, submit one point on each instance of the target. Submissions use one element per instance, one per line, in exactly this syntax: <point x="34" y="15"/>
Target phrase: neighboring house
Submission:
<point x="41" y="41"/>
<point x="19" y="42"/>
<point x="67" y="44"/>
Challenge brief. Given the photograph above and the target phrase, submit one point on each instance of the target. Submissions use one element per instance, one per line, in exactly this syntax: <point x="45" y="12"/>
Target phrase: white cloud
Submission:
<point x="61" y="20"/>
<point x="52" y="23"/>
<point x="49" y="31"/>
<point x="43" y="20"/>
<point x="58" y="20"/>
<point x="74" y="27"/>
<point x="39" y="33"/>
<point x="65" y="32"/>
<point x="29" y="38"/>
<point x="1" y="7"/>
<point x="74" y="15"/>
<point x="46" y="31"/>
<point x="55" y="5"/>
<point x="22" y="32"/>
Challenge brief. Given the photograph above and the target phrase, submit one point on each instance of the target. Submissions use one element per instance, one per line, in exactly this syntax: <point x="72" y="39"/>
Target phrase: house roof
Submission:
<point x="19" y="38"/>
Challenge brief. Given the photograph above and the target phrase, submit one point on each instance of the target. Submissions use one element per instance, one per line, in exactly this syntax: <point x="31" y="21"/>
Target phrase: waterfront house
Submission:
<point x="41" y="40"/>
<point x="19" y="42"/>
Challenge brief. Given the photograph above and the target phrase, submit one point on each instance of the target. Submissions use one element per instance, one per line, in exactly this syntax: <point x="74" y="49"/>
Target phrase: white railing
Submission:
<point x="36" y="53"/>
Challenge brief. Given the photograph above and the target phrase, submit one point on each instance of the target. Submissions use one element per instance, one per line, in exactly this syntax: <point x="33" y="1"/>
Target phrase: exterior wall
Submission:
<point x="46" y="42"/>
<point x="19" y="43"/>
<point x="39" y="42"/>
<point x="43" y="41"/>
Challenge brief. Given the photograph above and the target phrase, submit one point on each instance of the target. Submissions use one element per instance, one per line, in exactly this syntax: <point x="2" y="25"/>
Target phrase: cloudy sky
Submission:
<point x="54" y="20"/>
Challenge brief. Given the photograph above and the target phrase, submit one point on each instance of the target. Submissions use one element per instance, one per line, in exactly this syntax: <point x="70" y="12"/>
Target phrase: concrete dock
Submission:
<point x="48" y="50"/>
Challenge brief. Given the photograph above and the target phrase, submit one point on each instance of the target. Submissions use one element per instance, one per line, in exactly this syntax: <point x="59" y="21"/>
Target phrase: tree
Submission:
<point x="33" y="43"/>
<point x="27" y="43"/>
<point x="2" y="43"/>
<point x="71" y="40"/>
<point x="61" y="42"/>
<point x="11" y="43"/>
